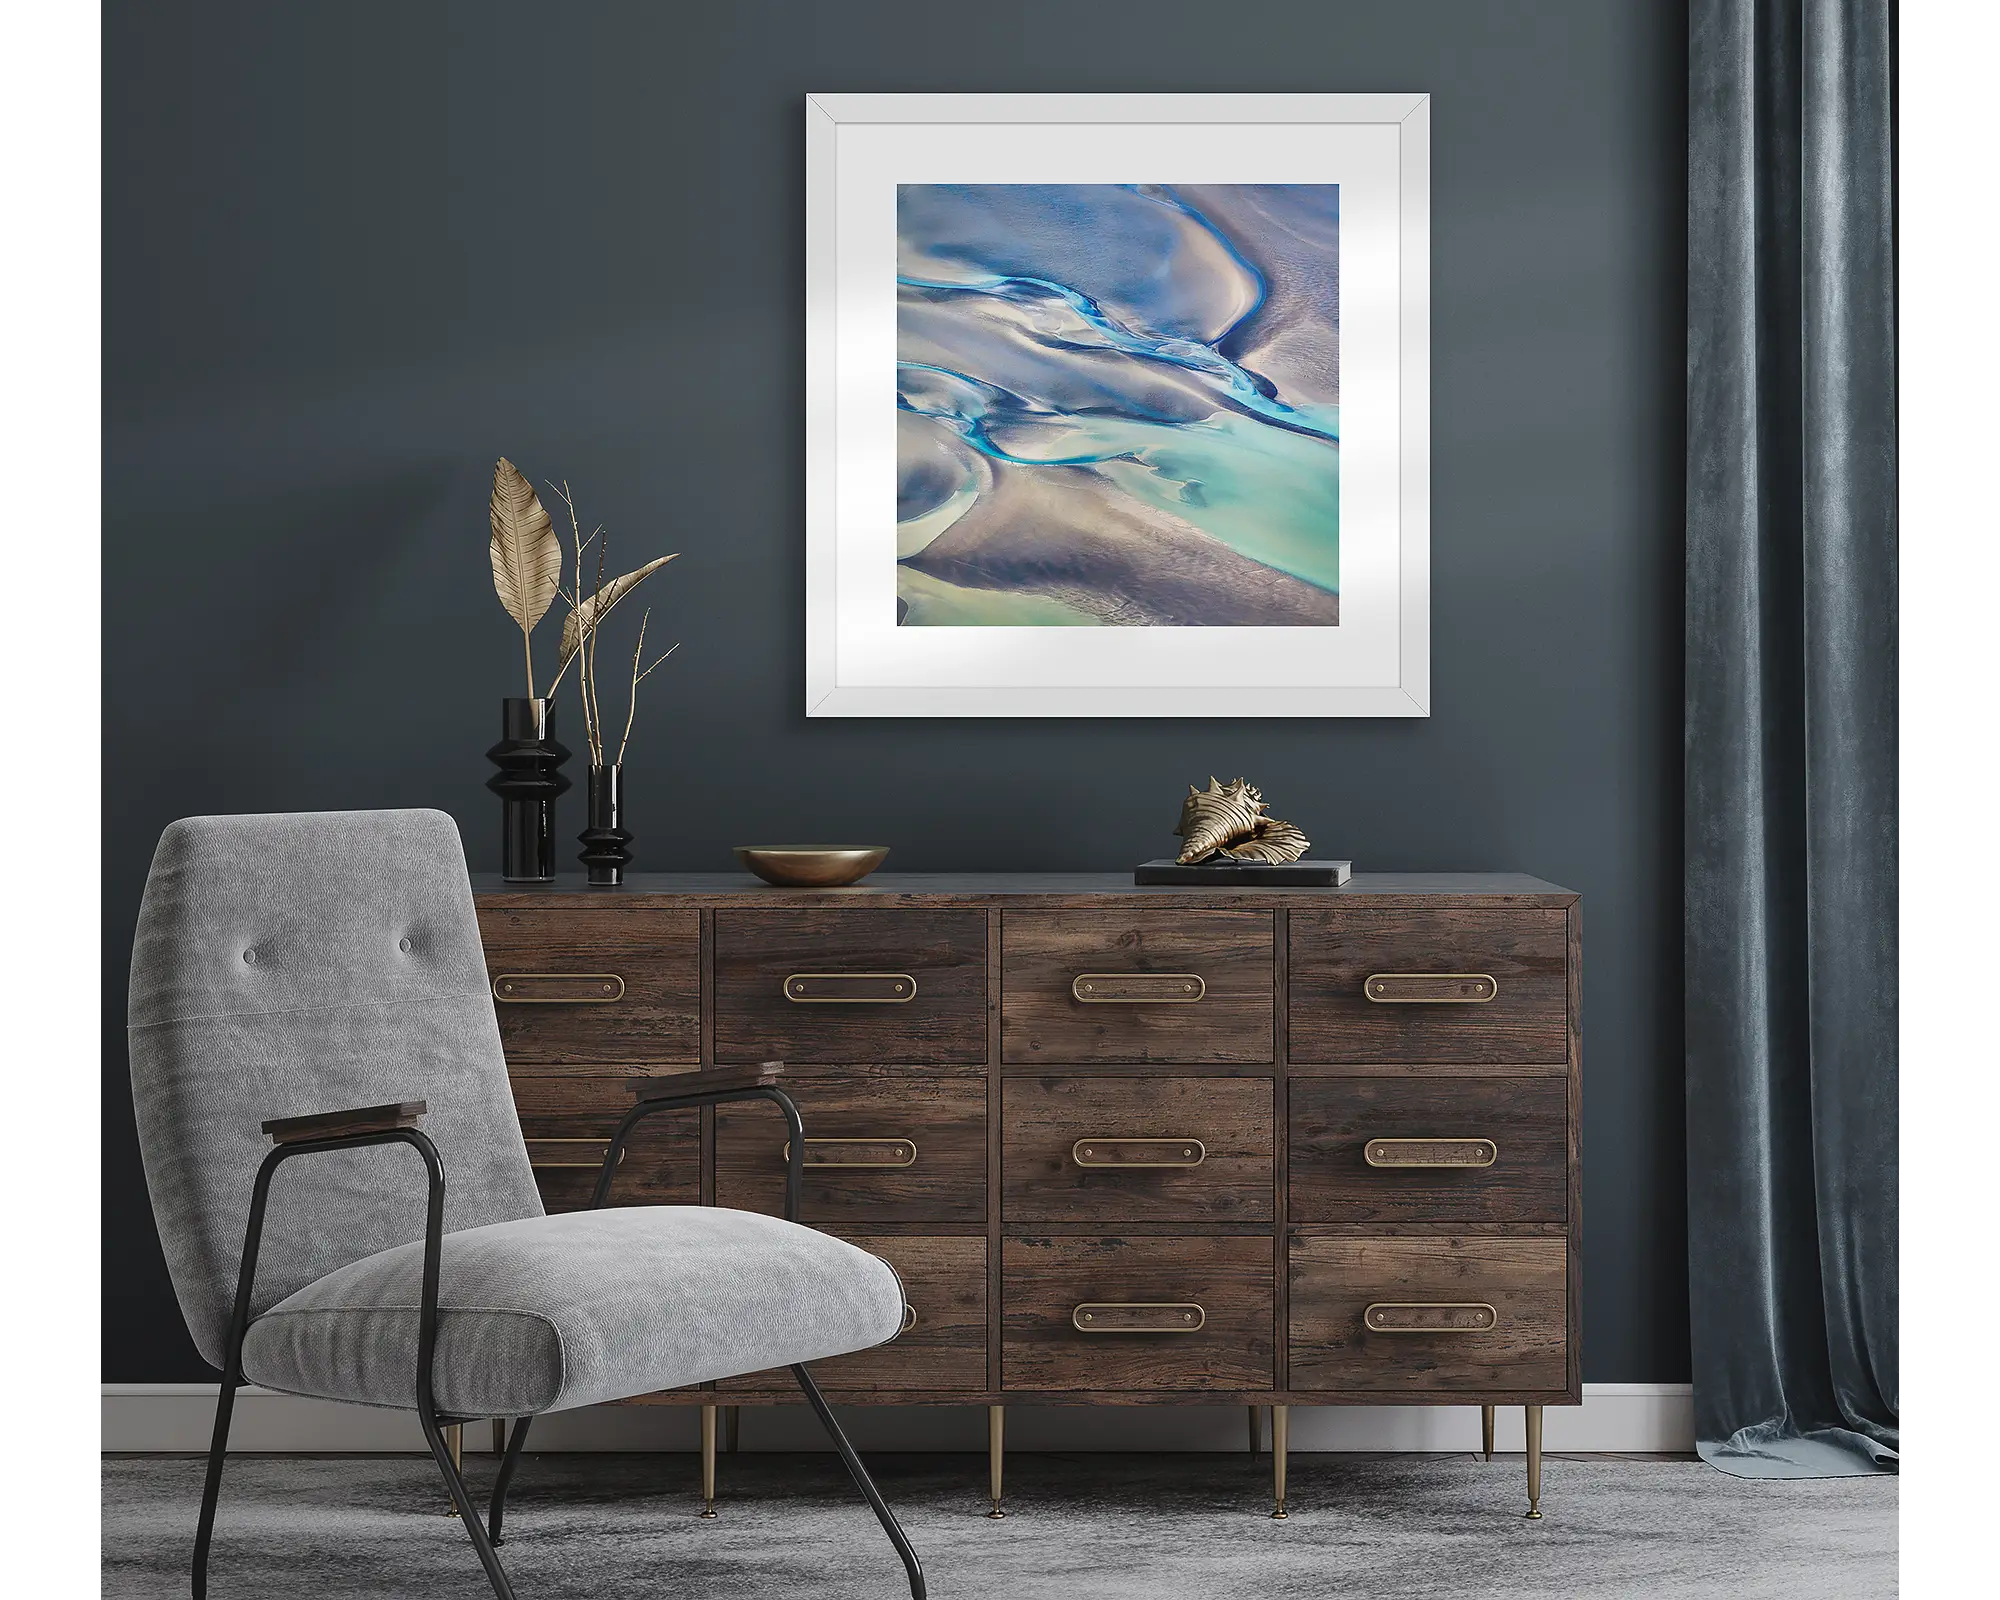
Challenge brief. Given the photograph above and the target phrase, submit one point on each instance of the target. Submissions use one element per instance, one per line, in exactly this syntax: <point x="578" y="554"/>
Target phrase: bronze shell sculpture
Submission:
<point x="1228" y="822"/>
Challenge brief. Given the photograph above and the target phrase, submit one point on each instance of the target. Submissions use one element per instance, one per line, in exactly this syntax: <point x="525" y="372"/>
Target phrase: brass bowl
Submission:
<point x="806" y="866"/>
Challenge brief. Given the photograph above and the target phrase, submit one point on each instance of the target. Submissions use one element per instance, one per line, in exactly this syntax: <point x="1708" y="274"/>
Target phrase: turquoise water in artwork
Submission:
<point x="1118" y="405"/>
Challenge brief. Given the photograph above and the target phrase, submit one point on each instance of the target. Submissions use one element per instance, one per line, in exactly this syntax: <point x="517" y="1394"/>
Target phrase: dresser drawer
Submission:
<point x="1432" y="1149"/>
<point x="1136" y="985"/>
<point x="942" y="1347"/>
<point x="901" y="1148"/>
<point x="1136" y="1314"/>
<point x="595" y="987"/>
<point x="1428" y="1316"/>
<point x="568" y="1122"/>
<point x="1117" y="1150"/>
<point x="841" y="986"/>
<point x="1443" y="987"/>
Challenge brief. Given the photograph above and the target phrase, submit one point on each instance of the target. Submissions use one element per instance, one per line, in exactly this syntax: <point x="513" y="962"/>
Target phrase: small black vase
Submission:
<point x="529" y="779"/>
<point x="605" y="854"/>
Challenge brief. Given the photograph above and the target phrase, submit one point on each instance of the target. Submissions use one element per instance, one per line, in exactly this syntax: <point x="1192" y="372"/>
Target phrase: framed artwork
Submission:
<point x="1118" y="405"/>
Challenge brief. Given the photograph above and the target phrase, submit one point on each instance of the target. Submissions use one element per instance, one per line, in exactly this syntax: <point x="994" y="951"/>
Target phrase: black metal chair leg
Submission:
<point x="866" y="1484"/>
<point x="211" y="1488"/>
<point x="508" y="1463"/>
<point x="453" y="1481"/>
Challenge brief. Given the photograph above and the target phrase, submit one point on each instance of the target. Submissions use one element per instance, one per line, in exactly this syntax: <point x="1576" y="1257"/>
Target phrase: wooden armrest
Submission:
<point x="710" y="1080"/>
<point x="337" y="1124"/>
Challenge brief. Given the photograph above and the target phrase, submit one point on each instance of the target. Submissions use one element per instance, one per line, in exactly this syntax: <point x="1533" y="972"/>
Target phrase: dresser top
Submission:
<point x="1388" y="890"/>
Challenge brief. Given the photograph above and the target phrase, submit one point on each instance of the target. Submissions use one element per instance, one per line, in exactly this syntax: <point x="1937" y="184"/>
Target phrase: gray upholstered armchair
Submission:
<point x="343" y="1192"/>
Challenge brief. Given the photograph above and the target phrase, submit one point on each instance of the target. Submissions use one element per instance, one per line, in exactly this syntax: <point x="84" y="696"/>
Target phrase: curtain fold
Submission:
<point x="1790" y="848"/>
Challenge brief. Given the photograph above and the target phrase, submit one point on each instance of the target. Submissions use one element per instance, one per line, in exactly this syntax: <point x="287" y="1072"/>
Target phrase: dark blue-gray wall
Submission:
<point x="352" y="253"/>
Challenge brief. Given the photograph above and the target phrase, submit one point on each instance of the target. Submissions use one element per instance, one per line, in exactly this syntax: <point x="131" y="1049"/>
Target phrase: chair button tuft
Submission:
<point x="403" y="945"/>
<point x="250" y="956"/>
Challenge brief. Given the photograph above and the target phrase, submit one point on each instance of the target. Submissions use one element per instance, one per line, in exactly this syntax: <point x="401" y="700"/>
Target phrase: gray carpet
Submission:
<point x="1117" y="1527"/>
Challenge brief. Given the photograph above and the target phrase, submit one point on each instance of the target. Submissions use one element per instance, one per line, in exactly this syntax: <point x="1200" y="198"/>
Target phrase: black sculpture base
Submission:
<point x="527" y="783"/>
<point x="606" y="845"/>
<point x="1306" y="874"/>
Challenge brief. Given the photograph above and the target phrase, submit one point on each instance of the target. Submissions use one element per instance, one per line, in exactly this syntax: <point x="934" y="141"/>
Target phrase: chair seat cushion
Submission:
<point x="552" y="1312"/>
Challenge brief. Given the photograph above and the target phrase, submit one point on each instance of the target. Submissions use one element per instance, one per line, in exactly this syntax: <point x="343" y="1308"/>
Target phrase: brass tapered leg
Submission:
<point x="1534" y="1463"/>
<point x="996" y="1450"/>
<point x="454" y="1443"/>
<point x="732" y="1428"/>
<point x="1486" y="1430"/>
<point x="1281" y="1429"/>
<point x="708" y="1461"/>
<point x="1256" y="1431"/>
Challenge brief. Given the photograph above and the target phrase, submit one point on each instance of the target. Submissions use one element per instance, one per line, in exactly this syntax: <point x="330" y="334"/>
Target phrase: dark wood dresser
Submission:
<point x="1124" y="1145"/>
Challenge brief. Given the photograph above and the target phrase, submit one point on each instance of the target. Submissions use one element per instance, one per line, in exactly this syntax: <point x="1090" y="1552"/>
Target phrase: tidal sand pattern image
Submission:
<point x="1118" y="405"/>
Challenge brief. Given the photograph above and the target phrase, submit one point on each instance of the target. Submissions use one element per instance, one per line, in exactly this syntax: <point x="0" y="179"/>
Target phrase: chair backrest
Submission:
<point x="286" y="965"/>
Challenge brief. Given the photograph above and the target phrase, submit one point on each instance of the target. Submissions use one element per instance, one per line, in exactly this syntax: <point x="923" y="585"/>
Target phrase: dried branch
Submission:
<point x="586" y="682"/>
<point x="580" y="628"/>
<point x="638" y="677"/>
<point x="585" y="615"/>
<point x="670" y="649"/>
<point x="632" y="699"/>
<point x="590" y="666"/>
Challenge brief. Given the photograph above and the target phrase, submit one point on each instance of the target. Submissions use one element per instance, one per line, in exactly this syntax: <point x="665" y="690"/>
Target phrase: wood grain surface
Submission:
<point x="1335" y="1280"/>
<point x="944" y="1279"/>
<point x="1333" y="953"/>
<point x="656" y="951"/>
<point x="338" y="1124"/>
<point x="1043" y="1119"/>
<point x="1294" y="1066"/>
<point x="708" y="1080"/>
<point x="943" y="1115"/>
<point x="1044" y="952"/>
<point x="1333" y="1119"/>
<point x="568" y="1118"/>
<point x="944" y="951"/>
<point x="1085" y="890"/>
<point x="1574" y="925"/>
<point x="1044" y="1280"/>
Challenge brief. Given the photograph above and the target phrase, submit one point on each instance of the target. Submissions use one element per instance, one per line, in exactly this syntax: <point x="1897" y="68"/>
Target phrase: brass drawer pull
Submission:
<point x="1138" y="988"/>
<point x="850" y="988"/>
<point x="1430" y="988"/>
<point x="1403" y="1316"/>
<point x="909" y="1316"/>
<point x="602" y="1144"/>
<point x="1138" y="1152"/>
<point x="1430" y="1152"/>
<point x="1138" y="1316"/>
<point x="558" y="988"/>
<point x="857" y="1152"/>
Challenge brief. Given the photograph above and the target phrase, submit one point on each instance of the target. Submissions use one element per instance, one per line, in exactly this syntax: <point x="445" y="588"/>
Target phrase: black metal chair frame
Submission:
<point x="486" y="1536"/>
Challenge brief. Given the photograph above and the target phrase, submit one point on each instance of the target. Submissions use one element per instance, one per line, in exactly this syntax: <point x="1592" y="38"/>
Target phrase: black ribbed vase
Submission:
<point x="605" y="853"/>
<point x="529" y="779"/>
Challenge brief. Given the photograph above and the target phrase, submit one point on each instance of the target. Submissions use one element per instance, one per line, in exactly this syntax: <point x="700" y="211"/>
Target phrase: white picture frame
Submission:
<point x="1376" y="663"/>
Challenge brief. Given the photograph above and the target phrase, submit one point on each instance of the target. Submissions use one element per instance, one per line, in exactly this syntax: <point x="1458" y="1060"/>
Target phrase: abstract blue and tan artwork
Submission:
<point x="1118" y="405"/>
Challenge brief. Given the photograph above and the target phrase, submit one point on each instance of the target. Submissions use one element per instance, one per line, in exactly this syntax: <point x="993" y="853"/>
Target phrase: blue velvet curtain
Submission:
<point x="1791" y="735"/>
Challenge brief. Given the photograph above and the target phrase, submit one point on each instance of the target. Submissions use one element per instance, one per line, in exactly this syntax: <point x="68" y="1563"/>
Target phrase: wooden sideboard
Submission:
<point x="1124" y="1145"/>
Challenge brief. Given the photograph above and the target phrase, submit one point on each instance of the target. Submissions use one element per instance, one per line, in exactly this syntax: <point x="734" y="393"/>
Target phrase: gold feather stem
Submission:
<point x="526" y="555"/>
<point x="584" y="617"/>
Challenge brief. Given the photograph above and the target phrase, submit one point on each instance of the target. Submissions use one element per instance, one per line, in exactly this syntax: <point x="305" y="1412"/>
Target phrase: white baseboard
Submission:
<point x="175" y="1417"/>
